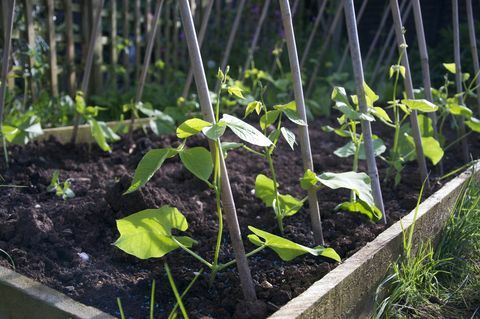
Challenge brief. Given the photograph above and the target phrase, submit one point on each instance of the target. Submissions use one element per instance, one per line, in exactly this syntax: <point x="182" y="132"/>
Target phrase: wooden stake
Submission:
<point x="473" y="47"/>
<point x="71" y="74"/>
<point x="126" y="36"/>
<point x="88" y="65"/>
<point x="313" y="32"/>
<point x="458" y="77"/>
<point x="383" y="21"/>
<point x="207" y="110"/>
<point x="385" y="61"/>
<point x="427" y="85"/>
<point x="256" y="36"/>
<point x="201" y="37"/>
<point x="323" y="49"/>
<point x="345" y="51"/>
<point x="138" y="39"/>
<point x="146" y="62"/>
<point x="113" y="43"/>
<point x="402" y="49"/>
<point x="52" y="52"/>
<point x="303" y="130"/>
<point x="356" y="55"/>
<point x="28" y="8"/>
<point x="231" y="38"/>
<point x="8" y="14"/>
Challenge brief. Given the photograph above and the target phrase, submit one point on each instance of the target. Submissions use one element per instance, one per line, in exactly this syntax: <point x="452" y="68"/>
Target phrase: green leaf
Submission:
<point x="431" y="148"/>
<point x="288" y="250"/>
<point x="148" y="233"/>
<point x="421" y="105"/>
<point x="236" y="91"/>
<point x="292" y="106"/>
<point x="372" y="213"/>
<point x="308" y="180"/>
<point x="198" y="161"/>
<point x="357" y="182"/>
<point x="340" y="95"/>
<point x="351" y="113"/>
<point x="349" y="149"/>
<point x="457" y="109"/>
<point x="109" y="134"/>
<point x="474" y="124"/>
<point x="269" y="118"/>
<point x="380" y="114"/>
<point x="245" y="131"/>
<point x="215" y="131"/>
<point x="289" y="136"/>
<point x="264" y="190"/>
<point x="253" y="106"/>
<point x="371" y="96"/>
<point x="451" y="67"/>
<point x="99" y="135"/>
<point x="294" y="117"/>
<point x="148" y="165"/>
<point x="191" y="127"/>
<point x="339" y="132"/>
<point x="228" y="146"/>
<point x="10" y="132"/>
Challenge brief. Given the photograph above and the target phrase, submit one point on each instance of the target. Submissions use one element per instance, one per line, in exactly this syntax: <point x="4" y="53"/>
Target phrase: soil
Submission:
<point x="45" y="234"/>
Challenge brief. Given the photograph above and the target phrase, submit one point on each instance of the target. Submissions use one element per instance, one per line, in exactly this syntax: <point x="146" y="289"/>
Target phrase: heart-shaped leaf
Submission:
<point x="198" y="161"/>
<point x="191" y="127"/>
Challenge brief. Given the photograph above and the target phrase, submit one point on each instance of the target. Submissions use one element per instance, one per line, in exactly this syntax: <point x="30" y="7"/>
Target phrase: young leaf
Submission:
<point x="340" y="95"/>
<point x="451" y="67"/>
<point x="380" y="114"/>
<point x="372" y="213"/>
<point x="99" y="135"/>
<point x="148" y="233"/>
<point x="269" y="118"/>
<point x="264" y="189"/>
<point x="236" y="91"/>
<point x="148" y="165"/>
<point x="372" y="97"/>
<point x="289" y="136"/>
<point x="457" y="109"/>
<point x="292" y="106"/>
<point x="109" y="134"/>
<point x="253" y="106"/>
<point x="215" y="131"/>
<point x="421" y="105"/>
<point x="286" y="249"/>
<point x="474" y="124"/>
<point x="191" y="127"/>
<point x="290" y="111"/>
<point x="308" y="180"/>
<point x="198" y="161"/>
<point x="349" y="149"/>
<point x="245" y="131"/>
<point x="357" y="182"/>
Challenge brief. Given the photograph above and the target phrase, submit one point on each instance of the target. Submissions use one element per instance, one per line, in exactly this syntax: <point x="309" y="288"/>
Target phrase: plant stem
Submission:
<point x="192" y="253"/>
<point x="278" y="212"/>
<point x="184" y="293"/>
<point x="175" y="291"/>
<point x="152" y="300"/>
<point x="233" y="261"/>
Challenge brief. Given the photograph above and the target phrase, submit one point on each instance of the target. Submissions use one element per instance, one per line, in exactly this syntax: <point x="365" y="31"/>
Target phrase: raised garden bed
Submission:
<point x="45" y="234"/>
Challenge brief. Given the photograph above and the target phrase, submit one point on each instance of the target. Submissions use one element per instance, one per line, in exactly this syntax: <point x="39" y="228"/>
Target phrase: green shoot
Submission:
<point x="62" y="190"/>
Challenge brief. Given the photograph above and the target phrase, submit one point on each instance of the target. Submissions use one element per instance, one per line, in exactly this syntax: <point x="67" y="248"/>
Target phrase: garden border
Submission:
<point x="345" y="292"/>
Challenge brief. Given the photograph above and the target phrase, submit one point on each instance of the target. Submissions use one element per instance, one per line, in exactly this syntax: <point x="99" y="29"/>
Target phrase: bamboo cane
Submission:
<point x="207" y="110"/>
<point x="345" y="51"/>
<point x="389" y="45"/>
<point x="256" y="36"/>
<point x="458" y="76"/>
<point x="9" y="12"/>
<point x="138" y="39"/>
<point x="71" y="77"/>
<point x="473" y="47"/>
<point x="231" y="38"/>
<point x="427" y="85"/>
<point x="52" y="52"/>
<point x="303" y="130"/>
<point x="359" y="82"/>
<point x="113" y="42"/>
<point x="201" y="37"/>
<point x="376" y="37"/>
<point x="88" y="65"/>
<point x="146" y="63"/>
<point x="323" y="49"/>
<point x="28" y="8"/>
<point x="402" y="49"/>
<point x="313" y="32"/>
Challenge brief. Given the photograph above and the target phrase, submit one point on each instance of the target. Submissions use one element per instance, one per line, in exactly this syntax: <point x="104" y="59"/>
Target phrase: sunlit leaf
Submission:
<point x="451" y="67"/>
<point x="421" y="105"/>
<point x="289" y="136"/>
<point x="191" y="127"/>
<point x="245" y="131"/>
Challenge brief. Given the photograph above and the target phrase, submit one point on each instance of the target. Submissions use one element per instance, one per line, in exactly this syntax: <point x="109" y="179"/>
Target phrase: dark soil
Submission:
<point x="45" y="234"/>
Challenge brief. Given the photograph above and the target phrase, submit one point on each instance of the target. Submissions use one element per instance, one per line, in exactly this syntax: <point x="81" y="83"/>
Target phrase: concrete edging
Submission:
<point x="348" y="290"/>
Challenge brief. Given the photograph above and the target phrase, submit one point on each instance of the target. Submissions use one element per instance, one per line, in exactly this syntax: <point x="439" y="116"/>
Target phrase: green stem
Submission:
<point x="194" y="254"/>
<point x="233" y="261"/>
<point x="251" y="150"/>
<point x="175" y="291"/>
<point x="152" y="300"/>
<point x="278" y="213"/>
<point x="184" y="293"/>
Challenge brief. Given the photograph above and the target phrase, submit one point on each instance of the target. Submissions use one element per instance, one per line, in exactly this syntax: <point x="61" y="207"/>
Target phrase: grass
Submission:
<point x="442" y="281"/>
